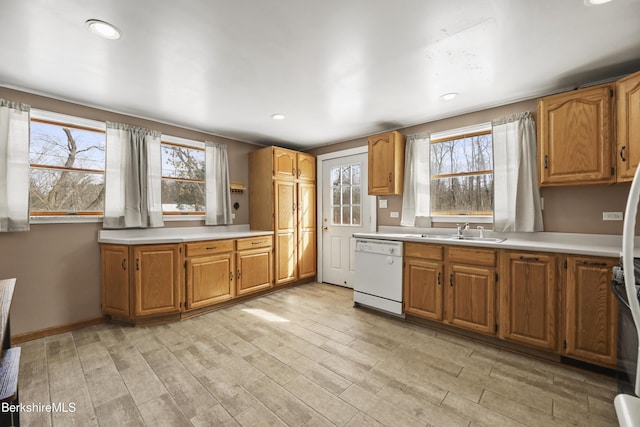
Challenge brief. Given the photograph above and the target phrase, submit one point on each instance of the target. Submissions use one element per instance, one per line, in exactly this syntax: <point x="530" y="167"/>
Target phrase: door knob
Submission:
<point x="325" y="228"/>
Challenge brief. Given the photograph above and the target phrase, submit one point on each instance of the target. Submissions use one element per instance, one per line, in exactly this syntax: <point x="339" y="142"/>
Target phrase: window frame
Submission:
<point x="74" y="122"/>
<point x="461" y="133"/>
<point x="190" y="144"/>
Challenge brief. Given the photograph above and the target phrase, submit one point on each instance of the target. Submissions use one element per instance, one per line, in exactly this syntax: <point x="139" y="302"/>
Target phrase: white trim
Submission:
<point x="463" y="218"/>
<point x="64" y="118"/>
<point x="64" y="219"/>
<point x="453" y="133"/>
<point x="182" y="141"/>
<point x="319" y="188"/>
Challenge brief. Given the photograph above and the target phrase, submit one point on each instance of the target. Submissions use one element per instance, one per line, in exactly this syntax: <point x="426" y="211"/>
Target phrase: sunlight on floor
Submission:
<point x="270" y="317"/>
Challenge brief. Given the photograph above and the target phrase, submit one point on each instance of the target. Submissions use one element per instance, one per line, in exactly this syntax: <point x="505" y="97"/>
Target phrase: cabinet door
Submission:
<point x="209" y="280"/>
<point x="574" y="131"/>
<point x="306" y="167"/>
<point x="423" y="288"/>
<point x="628" y="125"/>
<point x="528" y="295"/>
<point x="253" y="271"/>
<point x="471" y="298"/>
<point x="591" y="310"/>
<point x="115" y="280"/>
<point x="285" y="233"/>
<point x="284" y="163"/>
<point x="156" y="279"/>
<point x="306" y="230"/>
<point x="386" y="159"/>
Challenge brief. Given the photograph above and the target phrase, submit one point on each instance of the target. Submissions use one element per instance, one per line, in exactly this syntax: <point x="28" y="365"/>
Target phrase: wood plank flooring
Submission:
<point x="300" y="357"/>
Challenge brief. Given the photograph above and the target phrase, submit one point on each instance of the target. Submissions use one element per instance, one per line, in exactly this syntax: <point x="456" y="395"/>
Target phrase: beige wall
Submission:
<point x="57" y="266"/>
<point x="566" y="209"/>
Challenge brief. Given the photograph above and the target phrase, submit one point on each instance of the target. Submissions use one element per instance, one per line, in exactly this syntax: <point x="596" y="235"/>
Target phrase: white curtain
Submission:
<point x="218" y="192"/>
<point x="516" y="196"/>
<point x="416" y="200"/>
<point x="14" y="170"/>
<point x="133" y="178"/>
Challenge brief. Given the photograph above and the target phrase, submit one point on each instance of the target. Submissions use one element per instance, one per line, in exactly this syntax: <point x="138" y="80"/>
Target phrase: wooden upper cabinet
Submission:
<point x="591" y="310"/>
<point x="628" y="126"/>
<point x="575" y="137"/>
<point x="528" y="299"/>
<point x="285" y="163"/>
<point x="386" y="163"/>
<point x="306" y="167"/>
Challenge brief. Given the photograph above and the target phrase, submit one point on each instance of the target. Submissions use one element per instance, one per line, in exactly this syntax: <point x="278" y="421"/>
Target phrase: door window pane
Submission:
<point x="346" y="191"/>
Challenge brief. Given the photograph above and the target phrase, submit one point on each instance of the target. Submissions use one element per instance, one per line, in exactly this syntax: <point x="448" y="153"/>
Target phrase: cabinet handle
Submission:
<point x="525" y="258"/>
<point x="256" y="243"/>
<point x="622" y="153"/>
<point x="124" y="263"/>
<point x="299" y="173"/>
<point x="137" y="264"/>
<point x="238" y="274"/>
<point x="293" y="171"/>
<point x="212" y="248"/>
<point x="389" y="176"/>
<point x="439" y="278"/>
<point x="599" y="264"/>
<point x="294" y="207"/>
<point x="546" y="162"/>
<point x="451" y="280"/>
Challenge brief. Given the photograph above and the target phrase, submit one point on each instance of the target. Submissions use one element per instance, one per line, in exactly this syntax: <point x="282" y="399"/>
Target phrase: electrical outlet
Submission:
<point x="612" y="216"/>
<point x="542" y="203"/>
<point x="395" y="214"/>
<point x="382" y="203"/>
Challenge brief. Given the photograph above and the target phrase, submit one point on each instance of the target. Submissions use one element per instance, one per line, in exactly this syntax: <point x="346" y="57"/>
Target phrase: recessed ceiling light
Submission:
<point x="277" y="116"/>
<point x="595" y="2"/>
<point x="448" y="96"/>
<point x="104" y="29"/>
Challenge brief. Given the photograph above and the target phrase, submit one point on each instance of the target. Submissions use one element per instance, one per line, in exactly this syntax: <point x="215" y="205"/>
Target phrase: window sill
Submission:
<point x="63" y="219"/>
<point x="463" y="218"/>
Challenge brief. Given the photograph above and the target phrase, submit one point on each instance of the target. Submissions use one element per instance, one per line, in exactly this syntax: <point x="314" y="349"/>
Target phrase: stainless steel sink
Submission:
<point x="455" y="237"/>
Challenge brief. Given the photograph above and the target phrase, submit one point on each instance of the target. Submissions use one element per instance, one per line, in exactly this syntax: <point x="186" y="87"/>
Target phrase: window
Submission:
<point x="183" y="176"/>
<point x="346" y="190"/>
<point x="67" y="157"/>
<point x="462" y="174"/>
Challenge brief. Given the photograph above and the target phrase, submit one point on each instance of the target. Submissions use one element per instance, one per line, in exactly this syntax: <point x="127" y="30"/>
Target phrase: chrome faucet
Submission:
<point x="481" y="229"/>
<point x="461" y="227"/>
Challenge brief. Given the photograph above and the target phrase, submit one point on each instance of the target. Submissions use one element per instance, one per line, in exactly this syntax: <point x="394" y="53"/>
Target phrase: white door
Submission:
<point x="346" y="209"/>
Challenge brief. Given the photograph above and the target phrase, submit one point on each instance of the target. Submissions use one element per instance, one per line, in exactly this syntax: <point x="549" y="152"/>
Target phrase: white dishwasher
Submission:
<point x="378" y="275"/>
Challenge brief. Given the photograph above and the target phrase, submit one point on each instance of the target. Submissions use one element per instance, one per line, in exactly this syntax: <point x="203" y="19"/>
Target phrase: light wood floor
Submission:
<point x="300" y="357"/>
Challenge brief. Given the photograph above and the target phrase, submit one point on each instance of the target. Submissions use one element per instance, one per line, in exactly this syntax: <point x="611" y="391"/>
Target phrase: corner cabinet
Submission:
<point x="282" y="198"/>
<point x="628" y="126"/>
<point x="140" y="281"/>
<point x="575" y="137"/>
<point x="528" y="299"/>
<point x="386" y="164"/>
<point x="591" y="310"/>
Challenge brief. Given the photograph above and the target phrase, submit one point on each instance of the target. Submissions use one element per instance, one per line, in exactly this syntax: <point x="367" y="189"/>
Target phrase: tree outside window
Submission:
<point x="183" y="179"/>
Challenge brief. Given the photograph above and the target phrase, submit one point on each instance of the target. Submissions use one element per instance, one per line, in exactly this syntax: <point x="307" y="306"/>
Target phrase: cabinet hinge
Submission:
<point x="612" y="93"/>
<point x="564" y="344"/>
<point x="613" y="171"/>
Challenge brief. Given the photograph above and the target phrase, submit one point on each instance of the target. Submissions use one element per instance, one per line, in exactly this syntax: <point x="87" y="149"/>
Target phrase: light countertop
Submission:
<point x="177" y="235"/>
<point x="601" y="245"/>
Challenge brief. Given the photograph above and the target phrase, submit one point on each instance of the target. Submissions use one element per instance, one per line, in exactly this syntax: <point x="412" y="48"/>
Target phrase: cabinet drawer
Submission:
<point x="473" y="256"/>
<point x="424" y="251"/>
<point x="208" y="247"/>
<point x="254" y="243"/>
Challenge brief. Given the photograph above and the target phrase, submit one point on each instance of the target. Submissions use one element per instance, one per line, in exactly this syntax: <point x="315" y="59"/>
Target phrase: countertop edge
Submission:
<point x="151" y="240"/>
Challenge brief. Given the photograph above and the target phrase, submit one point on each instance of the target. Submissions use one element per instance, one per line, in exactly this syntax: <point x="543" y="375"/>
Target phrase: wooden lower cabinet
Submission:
<point x="529" y="299"/>
<point x="156" y="279"/>
<point x="115" y="280"/>
<point x="254" y="261"/>
<point x="209" y="280"/>
<point x="591" y="310"/>
<point x="423" y="288"/>
<point x="471" y="297"/>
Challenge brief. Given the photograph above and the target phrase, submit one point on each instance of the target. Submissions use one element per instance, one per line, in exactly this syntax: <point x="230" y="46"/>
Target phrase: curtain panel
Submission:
<point x="133" y="178"/>
<point x="218" y="192"/>
<point x="14" y="166"/>
<point x="516" y="194"/>
<point x="416" y="200"/>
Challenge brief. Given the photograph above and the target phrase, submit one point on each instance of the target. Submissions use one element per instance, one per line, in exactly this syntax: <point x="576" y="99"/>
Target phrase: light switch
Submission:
<point x="612" y="216"/>
<point x="395" y="214"/>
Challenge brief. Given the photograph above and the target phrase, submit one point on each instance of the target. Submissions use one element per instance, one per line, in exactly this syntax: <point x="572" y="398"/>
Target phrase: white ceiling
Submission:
<point x="338" y="69"/>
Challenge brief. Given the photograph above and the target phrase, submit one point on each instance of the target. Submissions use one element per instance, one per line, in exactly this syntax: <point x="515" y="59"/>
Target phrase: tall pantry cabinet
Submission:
<point x="282" y="198"/>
